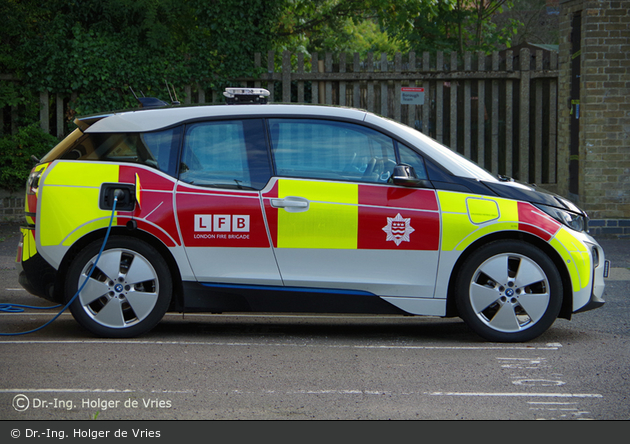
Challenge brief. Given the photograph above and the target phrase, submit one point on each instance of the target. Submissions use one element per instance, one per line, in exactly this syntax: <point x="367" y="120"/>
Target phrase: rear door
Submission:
<point x="223" y="166"/>
<point x="334" y="219"/>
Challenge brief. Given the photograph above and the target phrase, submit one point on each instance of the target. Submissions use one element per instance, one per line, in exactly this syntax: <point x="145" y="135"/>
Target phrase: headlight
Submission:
<point x="572" y="220"/>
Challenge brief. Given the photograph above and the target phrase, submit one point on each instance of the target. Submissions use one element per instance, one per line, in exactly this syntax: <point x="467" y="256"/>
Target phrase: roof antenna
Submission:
<point x="148" y="102"/>
<point x="174" y="102"/>
<point x="132" y="92"/>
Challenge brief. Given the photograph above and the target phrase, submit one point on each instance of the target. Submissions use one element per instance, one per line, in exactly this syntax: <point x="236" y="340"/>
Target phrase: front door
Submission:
<point x="334" y="219"/>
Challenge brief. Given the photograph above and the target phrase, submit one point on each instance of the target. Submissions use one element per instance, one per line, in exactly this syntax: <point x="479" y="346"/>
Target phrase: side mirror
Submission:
<point x="406" y="176"/>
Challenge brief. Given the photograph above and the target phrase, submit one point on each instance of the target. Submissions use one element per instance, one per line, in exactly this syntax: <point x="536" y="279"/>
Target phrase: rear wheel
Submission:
<point x="128" y="292"/>
<point x="509" y="291"/>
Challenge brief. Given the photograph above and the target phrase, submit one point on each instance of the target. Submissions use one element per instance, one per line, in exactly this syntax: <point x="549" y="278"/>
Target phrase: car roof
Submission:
<point x="144" y="120"/>
<point x="154" y="119"/>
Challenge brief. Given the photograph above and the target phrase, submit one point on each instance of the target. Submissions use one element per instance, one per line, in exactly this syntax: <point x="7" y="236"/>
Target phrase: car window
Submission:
<point x="332" y="150"/>
<point x="225" y="154"/>
<point x="156" y="149"/>
<point x="410" y="157"/>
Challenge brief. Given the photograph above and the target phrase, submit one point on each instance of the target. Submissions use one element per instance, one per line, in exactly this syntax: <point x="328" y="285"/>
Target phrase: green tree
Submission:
<point x="450" y="25"/>
<point x="98" y="48"/>
<point x="390" y="26"/>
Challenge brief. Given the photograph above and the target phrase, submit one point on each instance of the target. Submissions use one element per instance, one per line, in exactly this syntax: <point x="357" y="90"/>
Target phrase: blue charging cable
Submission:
<point x="11" y="308"/>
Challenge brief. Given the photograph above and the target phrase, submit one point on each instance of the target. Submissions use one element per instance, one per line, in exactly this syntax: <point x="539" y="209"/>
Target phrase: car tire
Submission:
<point x="128" y="292"/>
<point x="509" y="291"/>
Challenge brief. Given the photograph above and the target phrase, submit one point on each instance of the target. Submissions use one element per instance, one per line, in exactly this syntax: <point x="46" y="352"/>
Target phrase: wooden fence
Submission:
<point x="498" y="110"/>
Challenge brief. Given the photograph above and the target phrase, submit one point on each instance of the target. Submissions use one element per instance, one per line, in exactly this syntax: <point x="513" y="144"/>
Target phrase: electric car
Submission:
<point x="254" y="207"/>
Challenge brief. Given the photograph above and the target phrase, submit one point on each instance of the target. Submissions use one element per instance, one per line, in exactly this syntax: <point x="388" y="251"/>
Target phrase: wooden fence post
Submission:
<point x="481" y="112"/>
<point x="467" y="107"/>
<point x="453" y="96"/>
<point x="523" y="167"/>
<point x="509" y="116"/>
<point x="426" y="108"/>
<point x="553" y="119"/>
<point x="494" y="161"/>
<point x="439" y="100"/>
<point x="286" y="76"/>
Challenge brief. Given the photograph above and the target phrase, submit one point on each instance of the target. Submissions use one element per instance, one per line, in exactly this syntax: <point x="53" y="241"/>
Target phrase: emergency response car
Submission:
<point x="294" y="208"/>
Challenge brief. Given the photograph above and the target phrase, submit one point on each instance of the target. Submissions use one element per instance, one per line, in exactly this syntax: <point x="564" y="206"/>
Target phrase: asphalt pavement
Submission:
<point x="252" y="366"/>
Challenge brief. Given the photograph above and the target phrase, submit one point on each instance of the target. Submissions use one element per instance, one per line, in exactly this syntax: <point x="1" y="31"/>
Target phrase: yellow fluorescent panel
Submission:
<point x="575" y="256"/>
<point x="455" y="227"/>
<point x="331" y="221"/>
<point x="463" y="215"/>
<point x="320" y="191"/>
<point x="29" y="249"/>
<point x="82" y="174"/>
<point x="482" y="210"/>
<point x="64" y="209"/>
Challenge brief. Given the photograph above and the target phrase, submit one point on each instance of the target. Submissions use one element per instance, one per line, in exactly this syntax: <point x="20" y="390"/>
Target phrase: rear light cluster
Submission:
<point x="32" y="184"/>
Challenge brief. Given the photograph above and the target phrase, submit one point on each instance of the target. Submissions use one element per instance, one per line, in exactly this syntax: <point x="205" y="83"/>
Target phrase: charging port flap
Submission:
<point x="124" y="191"/>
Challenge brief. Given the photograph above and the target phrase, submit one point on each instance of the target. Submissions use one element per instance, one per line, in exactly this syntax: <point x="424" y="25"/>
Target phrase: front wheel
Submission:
<point x="509" y="291"/>
<point x="128" y="292"/>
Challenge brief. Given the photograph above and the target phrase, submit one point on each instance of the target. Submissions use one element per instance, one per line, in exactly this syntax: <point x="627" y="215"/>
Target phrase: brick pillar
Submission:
<point x="604" y="123"/>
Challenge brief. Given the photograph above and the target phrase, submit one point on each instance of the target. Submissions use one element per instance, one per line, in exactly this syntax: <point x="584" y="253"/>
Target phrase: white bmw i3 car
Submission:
<point x="294" y="208"/>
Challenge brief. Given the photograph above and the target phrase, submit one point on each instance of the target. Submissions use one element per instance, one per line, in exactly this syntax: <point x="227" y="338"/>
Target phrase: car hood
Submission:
<point x="530" y="193"/>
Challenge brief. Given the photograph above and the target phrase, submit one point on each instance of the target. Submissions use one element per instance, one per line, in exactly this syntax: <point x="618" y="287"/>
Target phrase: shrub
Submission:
<point x="16" y="151"/>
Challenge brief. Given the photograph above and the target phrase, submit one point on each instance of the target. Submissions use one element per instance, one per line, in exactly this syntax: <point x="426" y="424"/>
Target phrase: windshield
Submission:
<point x="449" y="159"/>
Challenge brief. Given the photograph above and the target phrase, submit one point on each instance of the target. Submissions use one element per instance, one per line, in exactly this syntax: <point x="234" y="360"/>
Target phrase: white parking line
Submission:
<point x="72" y="390"/>
<point x="285" y="344"/>
<point x="322" y="392"/>
<point x="550" y="403"/>
<point x="520" y="395"/>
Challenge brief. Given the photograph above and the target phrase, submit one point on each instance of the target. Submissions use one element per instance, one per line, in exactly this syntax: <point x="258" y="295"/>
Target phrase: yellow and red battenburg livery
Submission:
<point x="290" y="208"/>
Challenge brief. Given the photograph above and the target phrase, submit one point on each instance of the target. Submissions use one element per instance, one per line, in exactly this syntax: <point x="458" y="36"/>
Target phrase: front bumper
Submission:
<point x="600" y="272"/>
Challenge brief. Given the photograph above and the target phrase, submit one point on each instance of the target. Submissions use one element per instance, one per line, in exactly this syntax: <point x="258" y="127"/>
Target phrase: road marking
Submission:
<point x="72" y="390"/>
<point x="39" y="313"/>
<point x="550" y="403"/>
<point x="539" y="382"/>
<point x="253" y="344"/>
<point x="520" y="395"/>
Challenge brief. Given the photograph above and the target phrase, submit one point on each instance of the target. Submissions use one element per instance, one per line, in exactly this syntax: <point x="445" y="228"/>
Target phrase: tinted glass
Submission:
<point x="225" y="154"/>
<point x="330" y="150"/>
<point x="157" y="149"/>
<point x="410" y="157"/>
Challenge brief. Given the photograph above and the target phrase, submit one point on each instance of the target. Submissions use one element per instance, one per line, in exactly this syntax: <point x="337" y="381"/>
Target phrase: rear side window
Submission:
<point x="332" y="150"/>
<point x="156" y="149"/>
<point x="225" y="154"/>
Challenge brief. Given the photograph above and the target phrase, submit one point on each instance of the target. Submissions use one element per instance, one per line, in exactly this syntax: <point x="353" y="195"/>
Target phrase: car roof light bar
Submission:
<point x="234" y="96"/>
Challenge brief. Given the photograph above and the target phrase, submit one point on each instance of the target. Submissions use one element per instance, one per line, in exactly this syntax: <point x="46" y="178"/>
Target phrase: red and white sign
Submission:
<point x="411" y="96"/>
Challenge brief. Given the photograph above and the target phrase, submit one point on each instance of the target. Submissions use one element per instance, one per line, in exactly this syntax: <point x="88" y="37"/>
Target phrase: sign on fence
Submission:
<point x="411" y="96"/>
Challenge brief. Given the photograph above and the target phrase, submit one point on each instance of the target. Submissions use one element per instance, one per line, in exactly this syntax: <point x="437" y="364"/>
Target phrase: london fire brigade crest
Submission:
<point x="398" y="229"/>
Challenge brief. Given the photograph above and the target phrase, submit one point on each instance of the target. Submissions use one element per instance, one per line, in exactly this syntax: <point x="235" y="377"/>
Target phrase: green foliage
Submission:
<point x="99" y="48"/>
<point x="16" y="152"/>
<point x="450" y="25"/>
<point x="390" y="26"/>
<point x="334" y="26"/>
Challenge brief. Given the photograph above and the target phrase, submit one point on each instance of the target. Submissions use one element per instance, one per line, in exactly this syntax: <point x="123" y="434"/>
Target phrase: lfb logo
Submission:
<point x="224" y="223"/>
<point x="398" y="229"/>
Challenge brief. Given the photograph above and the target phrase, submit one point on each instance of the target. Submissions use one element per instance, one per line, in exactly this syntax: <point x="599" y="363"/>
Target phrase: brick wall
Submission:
<point x="11" y="206"/>
<point x="604" y="142"/>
